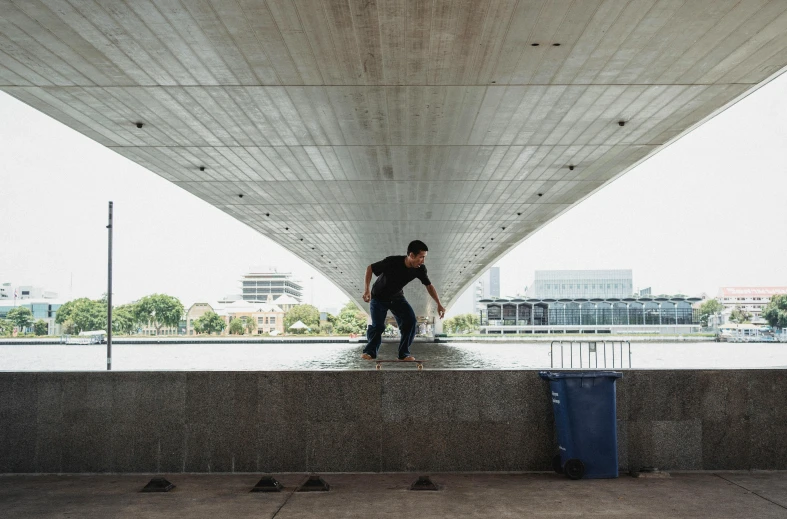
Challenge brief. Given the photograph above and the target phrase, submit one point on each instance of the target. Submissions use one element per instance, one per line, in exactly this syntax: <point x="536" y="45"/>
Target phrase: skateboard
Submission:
<point x="419" y="363"/>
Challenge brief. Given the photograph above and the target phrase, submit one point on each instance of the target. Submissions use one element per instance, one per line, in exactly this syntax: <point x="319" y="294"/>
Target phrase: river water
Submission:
<point x="346" y="356"/>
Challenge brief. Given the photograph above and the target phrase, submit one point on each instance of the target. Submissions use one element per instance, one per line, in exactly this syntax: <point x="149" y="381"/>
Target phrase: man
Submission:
<point x="393" y="273"/>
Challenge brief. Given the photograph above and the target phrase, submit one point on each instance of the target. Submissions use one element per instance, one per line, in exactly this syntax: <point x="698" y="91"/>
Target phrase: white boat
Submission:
<point x="91" y="337"/>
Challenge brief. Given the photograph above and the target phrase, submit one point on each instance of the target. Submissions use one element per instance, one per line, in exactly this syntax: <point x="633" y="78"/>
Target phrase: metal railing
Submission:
<point x="590" y="354"/>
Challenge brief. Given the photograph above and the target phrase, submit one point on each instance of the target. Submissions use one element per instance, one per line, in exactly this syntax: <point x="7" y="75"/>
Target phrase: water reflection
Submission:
<point x="346" y="356"/>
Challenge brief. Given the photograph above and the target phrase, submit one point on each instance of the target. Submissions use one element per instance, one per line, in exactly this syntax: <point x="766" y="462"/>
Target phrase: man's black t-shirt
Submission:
<point x="392" y="275"/>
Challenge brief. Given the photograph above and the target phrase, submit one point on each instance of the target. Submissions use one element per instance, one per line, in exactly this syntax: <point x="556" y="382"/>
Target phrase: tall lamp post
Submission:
<point x="109" y="291"/>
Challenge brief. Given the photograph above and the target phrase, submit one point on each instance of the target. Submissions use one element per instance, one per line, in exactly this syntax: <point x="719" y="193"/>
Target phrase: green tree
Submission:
<point x="159" y="310"/>
<point x="307" y="314"/>
<point x="22" y="317"/>
<point x="251" y="327"/>
<point x="84" y="314"/>
<point x="40" y="327"/>
<point x="775" y="312"/>
<point x="209" y="322"/>
<point x="351" y="319"/>
<point x="236" y="327"/>
<point x="739" y="315"/>
<point x="708" y="308"/>
<point x="463" y="323"/>
<point x="326" y="328"/>
<point x="6" y="327"/>
<point x="124" y="319"/>
<point x="68" y="326"/>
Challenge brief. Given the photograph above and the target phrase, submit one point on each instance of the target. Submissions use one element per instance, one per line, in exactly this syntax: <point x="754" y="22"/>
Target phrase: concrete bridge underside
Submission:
<point x="344" y="129"/>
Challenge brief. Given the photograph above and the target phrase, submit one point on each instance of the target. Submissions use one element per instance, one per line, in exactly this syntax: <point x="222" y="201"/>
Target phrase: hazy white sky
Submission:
<point x="706" y="212"/>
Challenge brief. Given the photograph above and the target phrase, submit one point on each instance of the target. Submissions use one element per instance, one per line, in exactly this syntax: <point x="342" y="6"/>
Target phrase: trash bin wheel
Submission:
<point x="557" y="464"/>
<point x="574" y="469"/>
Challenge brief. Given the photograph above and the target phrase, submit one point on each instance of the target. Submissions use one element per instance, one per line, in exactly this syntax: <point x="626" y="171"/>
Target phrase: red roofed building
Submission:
<point x="750" y="299"/>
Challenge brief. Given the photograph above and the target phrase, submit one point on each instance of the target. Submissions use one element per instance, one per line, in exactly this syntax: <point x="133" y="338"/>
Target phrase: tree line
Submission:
<point x="86" y="314"/>
<point x="161" y="310"/>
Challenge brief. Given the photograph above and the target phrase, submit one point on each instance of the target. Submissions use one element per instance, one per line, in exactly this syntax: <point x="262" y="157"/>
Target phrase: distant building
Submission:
<point x="478" y="295"/>
<point x="7" y="291"/>
<point x="488" y="285"/>
<point x="563" y="284"/>
<point x="266" y="318"/>
<point x="750" y="299"/>
<point x="257" y="286"/>
<point x="42" y="303"/>
<point x="646" y="292"/>
<point x="494" y="282"/>
<point x="45" y="309"/>
<point x="599" y="315"/>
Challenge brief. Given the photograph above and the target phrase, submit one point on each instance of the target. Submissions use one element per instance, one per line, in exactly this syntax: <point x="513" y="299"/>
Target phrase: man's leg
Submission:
<point x="405" y="317"/>
<point x="374" y="332"/>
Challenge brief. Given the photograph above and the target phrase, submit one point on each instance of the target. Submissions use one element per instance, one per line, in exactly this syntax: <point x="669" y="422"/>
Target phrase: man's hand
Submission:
<point x="440" y="311"/>
<point x="367" y="297"/>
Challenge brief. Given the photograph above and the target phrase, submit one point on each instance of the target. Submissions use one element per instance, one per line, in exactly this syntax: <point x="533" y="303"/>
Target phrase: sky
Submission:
<point x="707" y="211"/>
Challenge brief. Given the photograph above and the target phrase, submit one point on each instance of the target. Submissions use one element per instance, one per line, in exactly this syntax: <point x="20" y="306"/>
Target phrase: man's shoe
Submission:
<point x="366" y="356"/>
<point x="409" y="357"/>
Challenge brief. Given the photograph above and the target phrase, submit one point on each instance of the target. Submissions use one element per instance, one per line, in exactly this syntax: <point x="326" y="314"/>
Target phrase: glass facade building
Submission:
<point x="582" y="284"/>
<point x="658" y="311"/>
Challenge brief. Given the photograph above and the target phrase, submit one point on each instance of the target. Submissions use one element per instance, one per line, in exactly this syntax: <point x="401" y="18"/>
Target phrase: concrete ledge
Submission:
<point x="389" y="421"/>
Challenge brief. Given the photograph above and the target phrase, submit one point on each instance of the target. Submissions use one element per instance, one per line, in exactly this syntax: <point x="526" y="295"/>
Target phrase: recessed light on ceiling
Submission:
<point x="535" y="44"/>
<point x="541" y="194"/>
<point x="621" y="123"/>
<point x="202" y="168"/>
<point x="140" y="125"/>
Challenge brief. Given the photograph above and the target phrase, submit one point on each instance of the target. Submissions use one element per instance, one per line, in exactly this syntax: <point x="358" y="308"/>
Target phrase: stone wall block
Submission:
<point x="282" y="447"/>
<point x="49" y="404"/>
<point x="726" y="444"/>
<point x="506" y="396"/>
<point x="767" y="395"/>
<point x="662" y="395"/>
<point x="282" y="397"/>
<point x="343" y="397"/>
<point x="17" y="447"/>
<point x="407" y="396"/>
<point x="768" y="444"/>
<point x="48" y="457"/>
<point x="344" y="447"/>
<point x="87" y="447"/>
<point x="198" y="448"/>
<point x="724" y="395"/>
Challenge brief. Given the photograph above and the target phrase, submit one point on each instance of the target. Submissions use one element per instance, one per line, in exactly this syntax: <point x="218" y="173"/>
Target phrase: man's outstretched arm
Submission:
<point x="433" y="292"/>
<point x="367" y="296"/>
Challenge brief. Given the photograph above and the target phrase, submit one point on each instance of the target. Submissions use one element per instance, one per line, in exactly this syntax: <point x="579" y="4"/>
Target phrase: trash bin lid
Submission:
<point x="555" y="375"/>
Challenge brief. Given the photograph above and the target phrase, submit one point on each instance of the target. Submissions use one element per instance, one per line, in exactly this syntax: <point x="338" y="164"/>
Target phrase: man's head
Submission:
<point x="416" y="253"/>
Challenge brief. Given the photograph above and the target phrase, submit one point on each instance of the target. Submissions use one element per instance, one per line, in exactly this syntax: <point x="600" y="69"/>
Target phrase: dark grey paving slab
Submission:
<point x="769" y="485"/>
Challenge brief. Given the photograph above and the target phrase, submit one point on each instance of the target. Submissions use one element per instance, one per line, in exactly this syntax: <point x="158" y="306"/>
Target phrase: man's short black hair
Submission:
<point x="416" y="246"/>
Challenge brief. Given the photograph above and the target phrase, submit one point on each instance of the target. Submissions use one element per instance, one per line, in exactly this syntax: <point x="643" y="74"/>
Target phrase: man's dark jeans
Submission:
<point x="405" y="318"/>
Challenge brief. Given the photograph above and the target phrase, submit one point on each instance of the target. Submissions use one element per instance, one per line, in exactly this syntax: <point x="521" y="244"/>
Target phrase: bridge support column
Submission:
<point x="438" y="325"/>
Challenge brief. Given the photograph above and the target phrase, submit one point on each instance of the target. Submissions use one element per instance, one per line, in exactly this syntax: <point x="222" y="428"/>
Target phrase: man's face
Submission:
<point x="417" y="260"/>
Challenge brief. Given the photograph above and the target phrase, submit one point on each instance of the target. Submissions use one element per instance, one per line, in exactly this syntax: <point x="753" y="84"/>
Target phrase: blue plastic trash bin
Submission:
<point x="584" y="405"/>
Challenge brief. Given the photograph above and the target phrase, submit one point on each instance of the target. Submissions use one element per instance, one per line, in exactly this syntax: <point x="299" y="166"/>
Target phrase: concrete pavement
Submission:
<point x="533" y="495"/>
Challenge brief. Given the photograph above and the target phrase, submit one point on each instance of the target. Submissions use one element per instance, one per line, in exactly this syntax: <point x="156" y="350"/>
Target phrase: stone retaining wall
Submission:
<point x="388" y="421"/>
